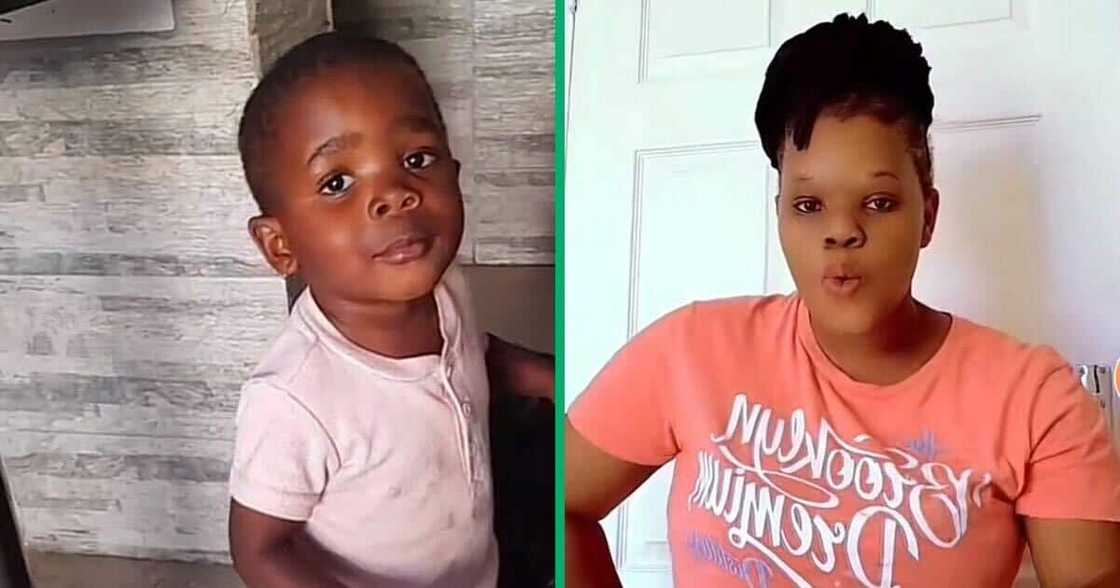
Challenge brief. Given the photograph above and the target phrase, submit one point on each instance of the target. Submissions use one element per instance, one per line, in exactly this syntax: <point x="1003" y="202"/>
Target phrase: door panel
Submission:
<point x="682" y="187"/>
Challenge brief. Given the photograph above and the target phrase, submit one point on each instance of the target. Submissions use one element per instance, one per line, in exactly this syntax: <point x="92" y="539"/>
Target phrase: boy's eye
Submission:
<point x="806" y="206"/>
<point x="419" y="160"/>
<point x="336" y="184"/>
<point x="881" y="204"/>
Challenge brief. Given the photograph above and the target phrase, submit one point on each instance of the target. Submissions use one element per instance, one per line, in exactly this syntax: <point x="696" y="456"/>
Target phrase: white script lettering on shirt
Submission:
<point x="812" y="471"/>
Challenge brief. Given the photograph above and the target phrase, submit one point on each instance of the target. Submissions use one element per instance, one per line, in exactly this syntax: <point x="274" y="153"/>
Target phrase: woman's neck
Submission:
<point x="891" y="351"/>
<point x="393" y="329"/>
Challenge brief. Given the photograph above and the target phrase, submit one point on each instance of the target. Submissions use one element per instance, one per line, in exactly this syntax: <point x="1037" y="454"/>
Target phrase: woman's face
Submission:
<point x="851" y="219"/>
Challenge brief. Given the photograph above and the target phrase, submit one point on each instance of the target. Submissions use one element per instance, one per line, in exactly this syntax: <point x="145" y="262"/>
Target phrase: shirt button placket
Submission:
<point x="464" y="428"/>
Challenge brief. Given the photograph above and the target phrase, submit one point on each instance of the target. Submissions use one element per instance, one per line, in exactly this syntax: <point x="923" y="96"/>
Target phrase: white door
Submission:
<point x="666" y="181"/>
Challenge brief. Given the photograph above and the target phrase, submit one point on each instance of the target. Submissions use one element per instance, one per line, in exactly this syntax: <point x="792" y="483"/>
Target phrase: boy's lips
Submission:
<point x="404" y="249"/>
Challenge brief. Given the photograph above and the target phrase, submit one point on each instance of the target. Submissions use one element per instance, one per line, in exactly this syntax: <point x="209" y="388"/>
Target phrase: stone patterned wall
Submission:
<point x="491" y="66"/>
<point x="132" y="302"/>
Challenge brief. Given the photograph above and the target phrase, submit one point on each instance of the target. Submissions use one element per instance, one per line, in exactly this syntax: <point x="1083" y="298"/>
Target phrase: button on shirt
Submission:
<point x="387" y="460"/>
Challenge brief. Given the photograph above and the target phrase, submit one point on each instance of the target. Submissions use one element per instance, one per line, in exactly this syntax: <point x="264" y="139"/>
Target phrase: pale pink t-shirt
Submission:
<point x="387" y="460"/>
<point x="790" y="473"/>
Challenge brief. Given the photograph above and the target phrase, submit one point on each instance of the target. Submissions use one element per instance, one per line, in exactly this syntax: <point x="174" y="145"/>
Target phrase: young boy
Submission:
<point x="362" y="453"/>
<point x="847" y="435"/>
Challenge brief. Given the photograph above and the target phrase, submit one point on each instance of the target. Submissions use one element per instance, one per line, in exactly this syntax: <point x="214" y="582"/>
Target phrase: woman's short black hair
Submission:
<point x="312" y="56"/>
<point x="847" y="67"/>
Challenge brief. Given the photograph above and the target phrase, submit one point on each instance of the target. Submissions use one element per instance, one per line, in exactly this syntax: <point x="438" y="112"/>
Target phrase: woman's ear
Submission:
<point x="273" y="244"/>
<point x="930" y="203"/>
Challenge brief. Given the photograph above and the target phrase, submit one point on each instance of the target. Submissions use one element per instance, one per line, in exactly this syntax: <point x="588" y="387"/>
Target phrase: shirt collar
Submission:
<point x="307" y="312"/>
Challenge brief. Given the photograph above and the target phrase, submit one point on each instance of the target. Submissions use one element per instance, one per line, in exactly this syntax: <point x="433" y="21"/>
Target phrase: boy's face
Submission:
<point x="365" y="192"/>
<point x="851" y="219"/>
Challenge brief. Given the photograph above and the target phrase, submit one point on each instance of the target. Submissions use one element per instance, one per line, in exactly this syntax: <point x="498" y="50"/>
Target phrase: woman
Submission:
<point x="847" y="434"/>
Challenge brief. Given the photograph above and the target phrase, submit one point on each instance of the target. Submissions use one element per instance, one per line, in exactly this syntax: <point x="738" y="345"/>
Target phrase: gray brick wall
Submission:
<point x="132" y="302"/>
<point x="491" y="66"/>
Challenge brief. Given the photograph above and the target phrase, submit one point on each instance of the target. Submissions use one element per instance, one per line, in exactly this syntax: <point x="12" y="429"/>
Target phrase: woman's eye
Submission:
<point x="419" y="160"/>
<point x="806" y="206"/>
<point x="881" y="204"/>
<point x="336" y="184"/>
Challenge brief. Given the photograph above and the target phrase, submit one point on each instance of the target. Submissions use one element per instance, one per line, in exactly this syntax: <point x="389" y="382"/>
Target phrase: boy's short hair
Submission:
<point x="310" y="57"/>
<point x="844" y="68"/>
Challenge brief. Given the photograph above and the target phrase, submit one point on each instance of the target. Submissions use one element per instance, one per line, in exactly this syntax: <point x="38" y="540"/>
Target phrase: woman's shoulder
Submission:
<point x="995" y="350"/>
<point x="736" y="314"/>
<point x="754" y="305"/>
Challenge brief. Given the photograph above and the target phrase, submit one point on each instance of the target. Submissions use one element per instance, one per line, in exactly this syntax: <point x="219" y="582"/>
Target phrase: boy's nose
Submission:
<point x="394" y="201"/>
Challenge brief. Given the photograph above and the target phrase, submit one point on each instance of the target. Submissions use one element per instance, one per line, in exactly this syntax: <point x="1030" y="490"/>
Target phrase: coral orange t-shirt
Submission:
<point x="790" y="473"/>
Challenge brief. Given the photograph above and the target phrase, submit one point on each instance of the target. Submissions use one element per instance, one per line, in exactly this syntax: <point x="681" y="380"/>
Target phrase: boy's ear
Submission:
<point x="273" y="244"/>
<point x="929" y="215"/>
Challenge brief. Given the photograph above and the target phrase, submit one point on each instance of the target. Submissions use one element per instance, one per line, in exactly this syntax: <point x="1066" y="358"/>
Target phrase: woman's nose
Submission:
<point x="845" y="233"/>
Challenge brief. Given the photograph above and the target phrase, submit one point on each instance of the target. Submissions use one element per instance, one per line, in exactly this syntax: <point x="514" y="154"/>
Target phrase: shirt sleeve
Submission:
<point x="1073" y="471"/>
<point x="282" y="455"/>
<point x="626" y="410"/>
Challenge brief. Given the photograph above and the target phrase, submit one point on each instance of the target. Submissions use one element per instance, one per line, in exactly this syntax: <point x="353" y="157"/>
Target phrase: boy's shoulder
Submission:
<point x="285" y="365"/>
<point x="299" y="362"/>
<point x="285" y="360"/>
